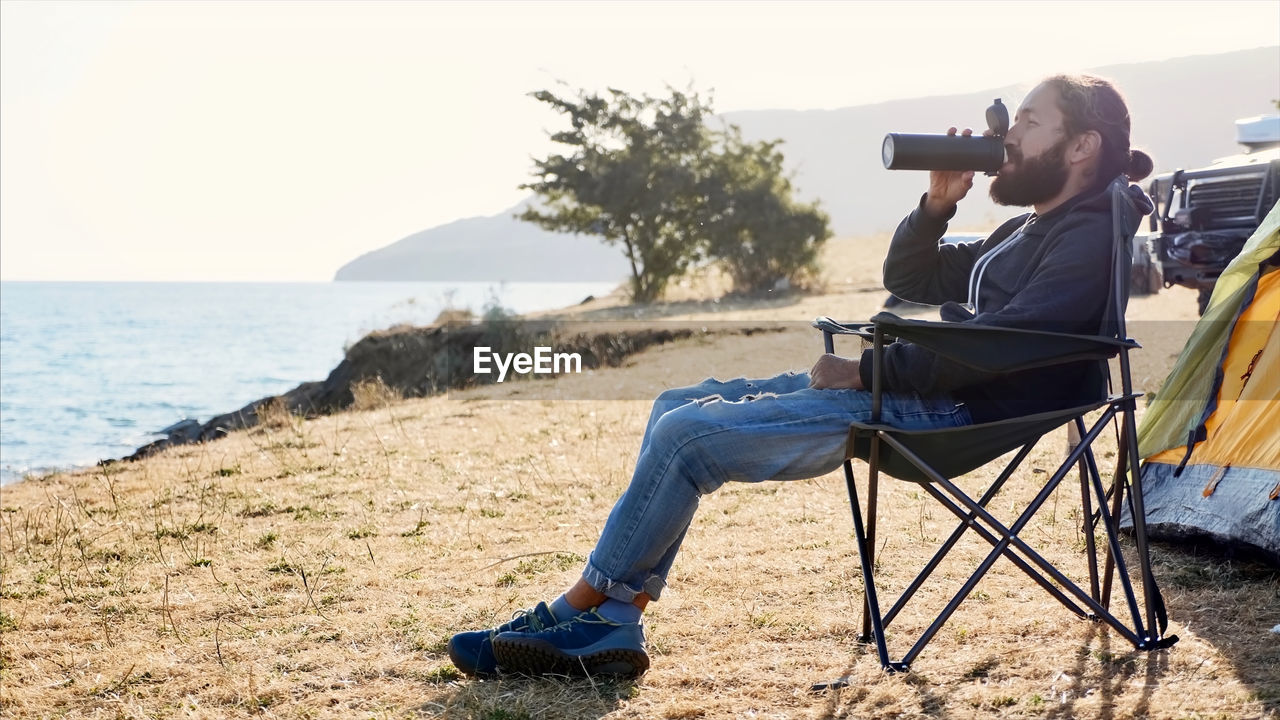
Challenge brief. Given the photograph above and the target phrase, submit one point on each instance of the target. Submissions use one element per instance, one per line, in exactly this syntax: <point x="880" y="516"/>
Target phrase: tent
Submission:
<point x="1211" y="436"/>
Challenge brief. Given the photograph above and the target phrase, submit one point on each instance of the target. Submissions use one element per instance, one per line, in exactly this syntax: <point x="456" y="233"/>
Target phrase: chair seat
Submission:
<point x="955" y="451"/>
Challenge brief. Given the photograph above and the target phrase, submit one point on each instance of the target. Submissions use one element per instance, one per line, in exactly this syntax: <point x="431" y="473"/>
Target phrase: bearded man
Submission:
<point x="1046" y="270"/>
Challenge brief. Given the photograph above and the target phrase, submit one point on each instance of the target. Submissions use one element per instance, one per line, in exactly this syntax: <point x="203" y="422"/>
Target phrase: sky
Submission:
<point x="258" y="141"/>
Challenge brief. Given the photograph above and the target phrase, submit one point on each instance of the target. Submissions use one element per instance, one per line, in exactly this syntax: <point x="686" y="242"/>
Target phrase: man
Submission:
<point x="1046" y="270"/>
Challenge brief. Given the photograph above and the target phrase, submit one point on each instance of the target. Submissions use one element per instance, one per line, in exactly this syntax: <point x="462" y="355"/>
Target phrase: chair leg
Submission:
<point x="1156" y="619"/>
<point x="872" y="625"/>
<point x="966" y="522"/>
<point x="1002" y="546"/>
<point x="1005" y="542"/>
<point x="873" y="491"/>
<point x="1149" y="636"/>
<point x="1009" y="553"/>
<point x="871" y="614"/>
<point x="1117" y="500"/>
<point x="874" y="622"/>
<point x="1110" y="523"/>
<point x="1009" y="535"/>
<point x="1087" y="508"/>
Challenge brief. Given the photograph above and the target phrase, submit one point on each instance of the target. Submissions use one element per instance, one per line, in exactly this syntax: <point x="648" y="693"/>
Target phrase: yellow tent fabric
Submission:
<point x="1177" y="408"/>
<point x="1228" y="491"/>
<point x="1244" y="429"/>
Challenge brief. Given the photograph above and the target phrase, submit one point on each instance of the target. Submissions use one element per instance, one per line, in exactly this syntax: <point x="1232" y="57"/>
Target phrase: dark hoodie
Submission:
<point x="1055" y="277"/>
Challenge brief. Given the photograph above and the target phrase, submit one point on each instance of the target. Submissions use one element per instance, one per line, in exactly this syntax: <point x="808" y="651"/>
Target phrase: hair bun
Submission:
<point x="1140" y="165"/>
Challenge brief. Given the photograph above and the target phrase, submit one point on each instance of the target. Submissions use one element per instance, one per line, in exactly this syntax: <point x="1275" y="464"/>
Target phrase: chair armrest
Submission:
<point x="1000" y="349"/>
<point x="831" y="327"/>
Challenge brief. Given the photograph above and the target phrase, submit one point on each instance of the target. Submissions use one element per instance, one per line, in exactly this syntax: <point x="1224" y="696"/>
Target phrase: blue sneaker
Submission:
<point x="586" y="644"/>
<point x="472" y="652"/>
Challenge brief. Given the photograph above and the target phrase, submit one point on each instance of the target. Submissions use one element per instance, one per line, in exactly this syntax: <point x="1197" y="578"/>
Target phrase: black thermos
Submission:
<point x="902" y="151"/>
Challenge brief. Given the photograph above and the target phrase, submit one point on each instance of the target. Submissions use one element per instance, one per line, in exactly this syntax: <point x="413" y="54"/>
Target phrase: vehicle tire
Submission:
<point x="1203" y="300"/>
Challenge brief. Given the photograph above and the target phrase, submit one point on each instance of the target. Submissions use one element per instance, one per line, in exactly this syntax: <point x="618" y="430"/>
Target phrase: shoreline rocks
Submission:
<point x="423" y="361"/>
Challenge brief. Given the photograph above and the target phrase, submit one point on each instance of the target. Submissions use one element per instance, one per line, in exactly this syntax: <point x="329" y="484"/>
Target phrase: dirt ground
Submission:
<point x="308" y="569"/>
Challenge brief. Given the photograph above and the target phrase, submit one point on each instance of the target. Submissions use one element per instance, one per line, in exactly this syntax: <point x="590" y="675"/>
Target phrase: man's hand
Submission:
<point x="832" y="372"/>
<point x="948" y="187"/>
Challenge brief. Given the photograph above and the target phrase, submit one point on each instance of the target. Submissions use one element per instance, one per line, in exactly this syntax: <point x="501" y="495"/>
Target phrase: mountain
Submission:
<point x="498" y="247"/>
<point x="1183" y="112"/>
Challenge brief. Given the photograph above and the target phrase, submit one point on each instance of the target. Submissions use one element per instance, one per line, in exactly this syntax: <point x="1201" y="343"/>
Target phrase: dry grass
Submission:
<point x="316" y="569"/>
<point x="274" y="414"/>
<point x="372" y="394"/>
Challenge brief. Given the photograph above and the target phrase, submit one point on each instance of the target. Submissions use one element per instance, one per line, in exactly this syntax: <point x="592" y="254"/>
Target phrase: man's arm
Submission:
<point x="916" y="267"/>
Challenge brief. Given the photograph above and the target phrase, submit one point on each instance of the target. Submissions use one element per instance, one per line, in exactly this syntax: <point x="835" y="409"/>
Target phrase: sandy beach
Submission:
<point x="315" y="569"/>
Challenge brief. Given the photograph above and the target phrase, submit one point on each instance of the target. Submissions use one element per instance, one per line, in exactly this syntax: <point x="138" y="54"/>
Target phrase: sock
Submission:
<point x="563" y="610"/>
<point x="619" y="612"/>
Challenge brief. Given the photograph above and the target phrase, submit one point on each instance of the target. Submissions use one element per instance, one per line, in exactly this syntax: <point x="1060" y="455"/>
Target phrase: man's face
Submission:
<point x="1036" y="144"/>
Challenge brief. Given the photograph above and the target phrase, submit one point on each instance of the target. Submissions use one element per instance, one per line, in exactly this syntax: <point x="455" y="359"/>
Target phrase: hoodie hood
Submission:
<point x="1093" y="200"/>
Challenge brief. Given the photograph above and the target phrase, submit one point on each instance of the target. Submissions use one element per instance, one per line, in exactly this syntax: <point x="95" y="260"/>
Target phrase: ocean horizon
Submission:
<point x="93" y="370"/>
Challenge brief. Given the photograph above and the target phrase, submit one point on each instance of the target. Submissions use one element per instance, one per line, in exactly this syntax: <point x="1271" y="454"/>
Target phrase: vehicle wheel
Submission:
<point x="1205" y="294"/>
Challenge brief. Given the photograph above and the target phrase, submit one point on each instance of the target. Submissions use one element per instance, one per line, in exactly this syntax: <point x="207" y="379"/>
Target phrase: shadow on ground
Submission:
<point x="522" y="698"/>
<point x="1231" y="604"/>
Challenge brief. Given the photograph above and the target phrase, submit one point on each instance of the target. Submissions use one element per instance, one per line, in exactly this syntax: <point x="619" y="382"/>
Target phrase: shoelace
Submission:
<point x="594" y="619"/>
<point x="535" y="623"/>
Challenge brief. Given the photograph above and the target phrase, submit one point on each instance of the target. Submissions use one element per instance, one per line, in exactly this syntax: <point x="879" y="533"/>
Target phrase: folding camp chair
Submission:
<point x="932" y="458"/>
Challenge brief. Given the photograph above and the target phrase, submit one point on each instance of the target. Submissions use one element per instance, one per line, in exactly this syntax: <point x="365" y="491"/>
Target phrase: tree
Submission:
<point x="648" y="174"/>
<point x="756" y="230"/>
<point x="631" y="175"/>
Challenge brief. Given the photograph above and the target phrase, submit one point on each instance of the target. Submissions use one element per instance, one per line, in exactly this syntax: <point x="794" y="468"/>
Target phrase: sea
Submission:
<point x="93" y="370"/>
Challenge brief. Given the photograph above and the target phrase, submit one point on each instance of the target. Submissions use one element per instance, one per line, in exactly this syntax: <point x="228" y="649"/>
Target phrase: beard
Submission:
<point x="1032" y="180"/>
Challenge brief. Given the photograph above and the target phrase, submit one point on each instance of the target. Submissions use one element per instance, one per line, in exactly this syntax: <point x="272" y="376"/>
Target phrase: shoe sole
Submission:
<point x="531" y="656"/>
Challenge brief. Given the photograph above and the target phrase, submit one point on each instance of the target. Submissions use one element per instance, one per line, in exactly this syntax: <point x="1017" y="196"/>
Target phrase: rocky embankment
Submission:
<point x="422" y="361"/>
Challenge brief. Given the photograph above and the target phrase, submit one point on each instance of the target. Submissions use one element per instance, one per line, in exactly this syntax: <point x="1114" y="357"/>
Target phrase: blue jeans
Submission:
<point x="700" y="437"/>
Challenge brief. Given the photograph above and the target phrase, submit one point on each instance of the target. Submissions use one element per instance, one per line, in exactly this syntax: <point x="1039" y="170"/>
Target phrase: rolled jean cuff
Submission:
<point x="617" y="590"/>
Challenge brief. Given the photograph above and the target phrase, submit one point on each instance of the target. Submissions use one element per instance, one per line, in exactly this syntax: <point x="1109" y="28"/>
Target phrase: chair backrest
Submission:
<point x="1123" y="213"/>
